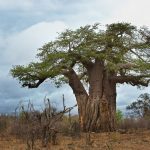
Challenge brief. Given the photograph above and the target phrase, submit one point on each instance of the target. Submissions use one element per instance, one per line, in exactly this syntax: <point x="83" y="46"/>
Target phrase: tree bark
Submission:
<point x="98" y="113"/>
<point x="80" y="94"/>
<point x="96" y="108"/>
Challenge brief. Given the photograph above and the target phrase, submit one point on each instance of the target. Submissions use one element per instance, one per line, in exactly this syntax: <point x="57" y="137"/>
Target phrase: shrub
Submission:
<point x="119" y="116"/>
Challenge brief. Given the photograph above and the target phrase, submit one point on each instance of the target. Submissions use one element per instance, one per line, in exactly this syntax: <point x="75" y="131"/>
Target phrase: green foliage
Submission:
<point x="140" y="107"/>
<point x="119" y="116"/>
<point x="119" y="43"/>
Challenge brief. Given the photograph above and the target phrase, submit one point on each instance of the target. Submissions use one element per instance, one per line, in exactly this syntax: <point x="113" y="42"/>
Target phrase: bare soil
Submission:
<point x="132" y="140"/>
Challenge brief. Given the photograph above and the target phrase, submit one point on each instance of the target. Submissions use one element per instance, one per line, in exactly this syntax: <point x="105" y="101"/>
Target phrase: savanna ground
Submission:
<point x="132" y="140"/>
<point x="55" y="130"/>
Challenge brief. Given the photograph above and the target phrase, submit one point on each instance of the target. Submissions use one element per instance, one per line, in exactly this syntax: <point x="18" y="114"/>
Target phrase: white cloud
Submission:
<point x="28" y="5"/>
<point x="22" y="47"/>
<point x="110" y="11"/>
<point x="14" y="4"/>
<point x="89" y="12"/>
<point x="84" y="11"/>
<point x="134" y="11"/>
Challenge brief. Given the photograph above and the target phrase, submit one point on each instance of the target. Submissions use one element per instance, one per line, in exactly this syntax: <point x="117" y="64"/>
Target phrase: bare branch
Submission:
<point x="136" y="54"/>
<point x="86" y="63"/>
<point x="133" y="80"/>
<point x="75" y="82"/>
<point x="34" y="85"/>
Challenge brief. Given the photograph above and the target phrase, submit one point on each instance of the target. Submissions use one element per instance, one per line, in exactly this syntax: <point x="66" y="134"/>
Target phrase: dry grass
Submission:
<point x="132" y="140"/>
<point x="32" y="130"/>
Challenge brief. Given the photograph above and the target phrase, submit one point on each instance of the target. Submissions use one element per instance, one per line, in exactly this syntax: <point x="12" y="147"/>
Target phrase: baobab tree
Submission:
<point x="98" y="58"/>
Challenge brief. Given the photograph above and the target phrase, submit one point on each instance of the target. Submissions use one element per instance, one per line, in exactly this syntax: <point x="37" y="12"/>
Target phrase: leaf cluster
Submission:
<point x="118" y="43"/>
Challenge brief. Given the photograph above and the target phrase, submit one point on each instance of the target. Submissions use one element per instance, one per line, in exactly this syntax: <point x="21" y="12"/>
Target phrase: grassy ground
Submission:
<point x="133" y="140"/>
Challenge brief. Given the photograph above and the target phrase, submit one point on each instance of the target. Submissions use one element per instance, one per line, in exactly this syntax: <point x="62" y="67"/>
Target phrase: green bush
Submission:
<point x="119" y="116"/>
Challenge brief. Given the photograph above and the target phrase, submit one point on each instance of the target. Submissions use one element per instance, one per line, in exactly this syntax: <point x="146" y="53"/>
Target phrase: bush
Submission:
<point x="134" y="123"/>
<point x="119" y="116"/>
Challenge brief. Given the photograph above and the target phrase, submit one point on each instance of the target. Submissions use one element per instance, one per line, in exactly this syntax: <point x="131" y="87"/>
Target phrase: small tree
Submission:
<point x="141" y="107"/>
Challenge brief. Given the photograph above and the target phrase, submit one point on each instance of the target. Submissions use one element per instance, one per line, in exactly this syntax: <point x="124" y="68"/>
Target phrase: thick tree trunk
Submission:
<point x="98" y="113"/>
<point x="97" y="108"/>
<point x="80" y="94"/>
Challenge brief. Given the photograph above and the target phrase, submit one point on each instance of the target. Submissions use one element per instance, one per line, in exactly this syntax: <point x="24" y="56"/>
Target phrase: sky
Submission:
<point x="26" y="25"/>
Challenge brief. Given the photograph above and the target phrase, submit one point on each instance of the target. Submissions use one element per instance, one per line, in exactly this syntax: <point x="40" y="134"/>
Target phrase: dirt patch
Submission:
<point x="133" y="140"/>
